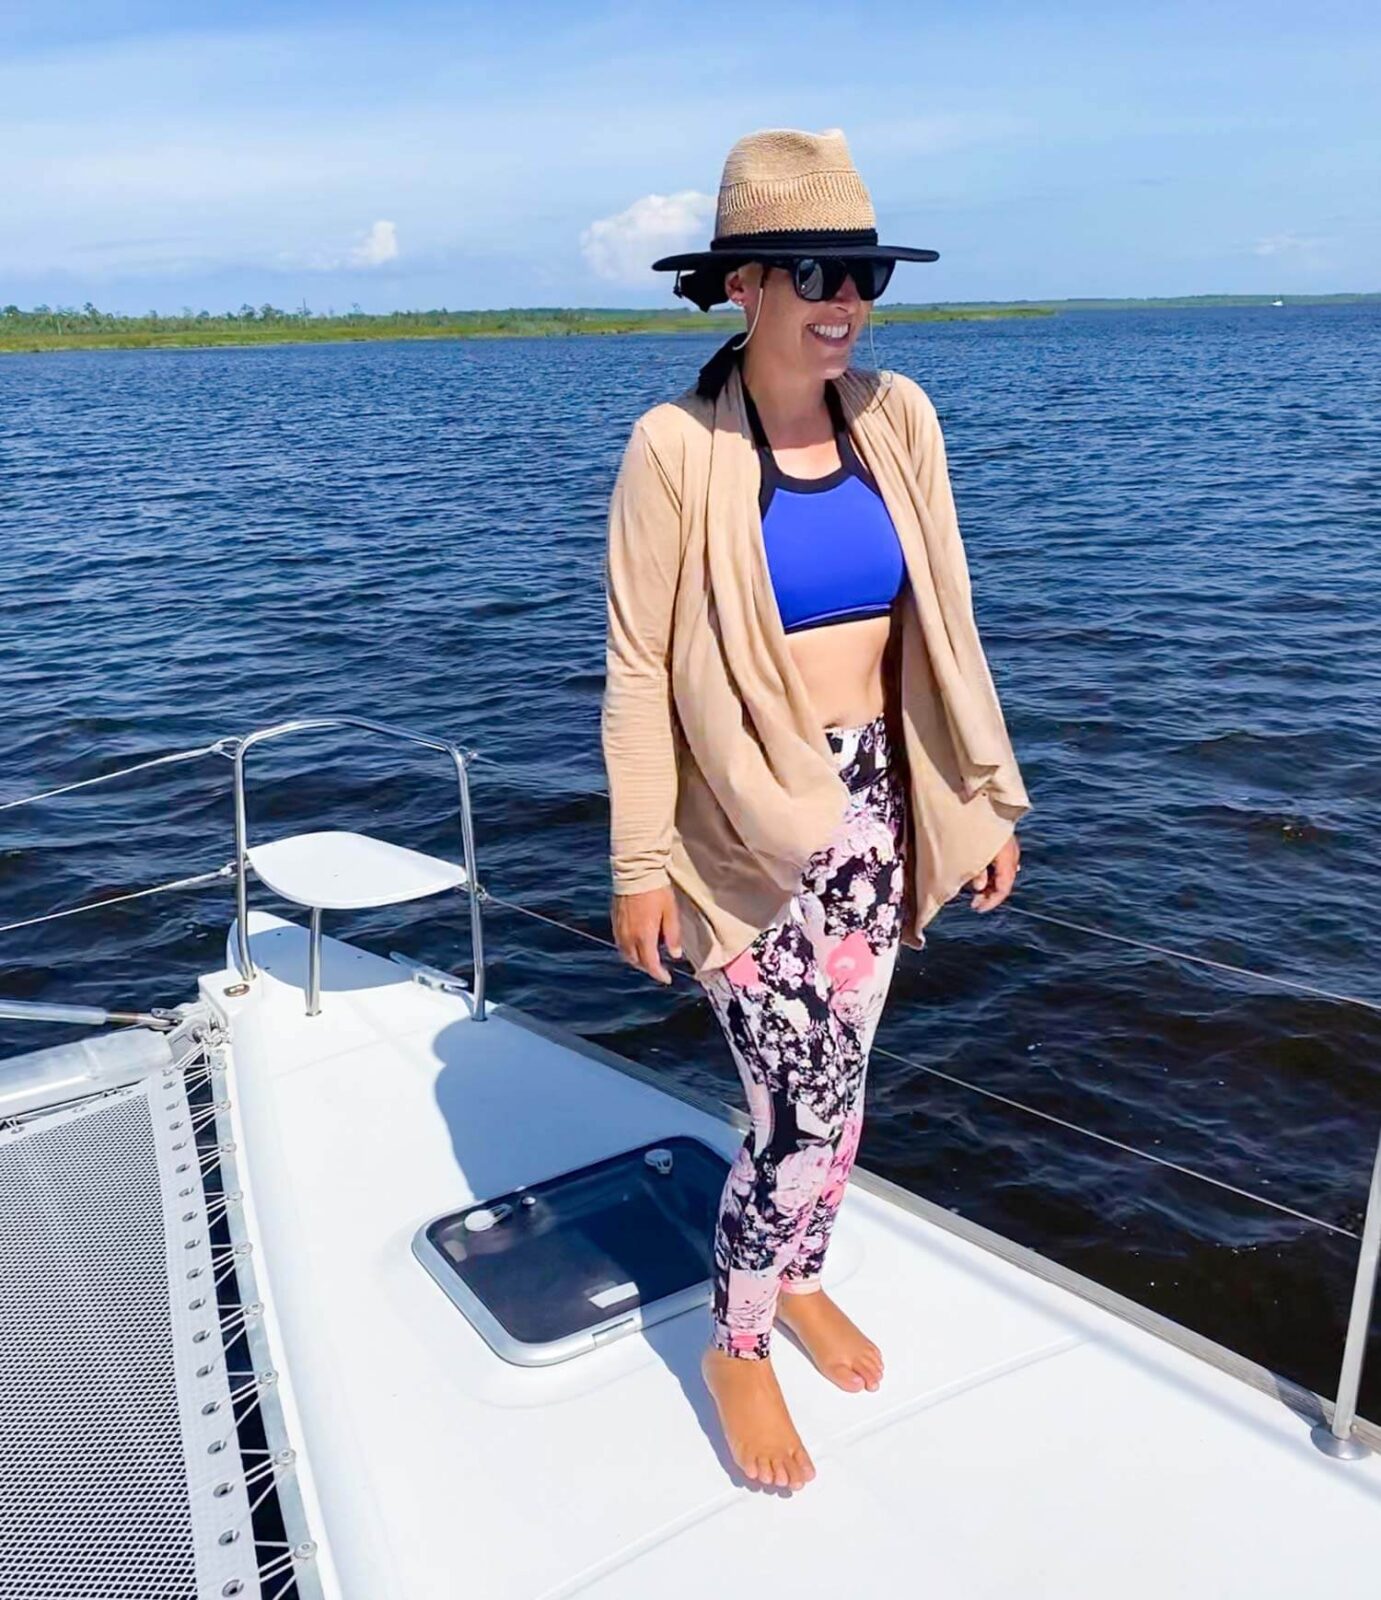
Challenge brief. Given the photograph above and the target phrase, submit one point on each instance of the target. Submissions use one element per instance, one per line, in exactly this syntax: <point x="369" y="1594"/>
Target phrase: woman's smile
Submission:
<point x="833" y="334"/>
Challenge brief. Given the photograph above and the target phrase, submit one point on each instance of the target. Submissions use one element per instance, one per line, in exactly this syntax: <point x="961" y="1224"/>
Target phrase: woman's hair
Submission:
<point x="704" y="286"/>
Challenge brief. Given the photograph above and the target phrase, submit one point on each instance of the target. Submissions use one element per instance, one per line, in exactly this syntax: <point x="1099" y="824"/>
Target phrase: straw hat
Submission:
<point x="784" y="193"/>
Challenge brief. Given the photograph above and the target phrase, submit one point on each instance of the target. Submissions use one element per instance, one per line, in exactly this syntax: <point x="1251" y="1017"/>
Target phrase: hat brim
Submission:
<point x="725" y="256"/>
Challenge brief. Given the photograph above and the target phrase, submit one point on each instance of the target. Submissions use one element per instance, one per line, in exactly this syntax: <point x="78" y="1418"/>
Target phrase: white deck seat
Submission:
<point x="341" y="871"/>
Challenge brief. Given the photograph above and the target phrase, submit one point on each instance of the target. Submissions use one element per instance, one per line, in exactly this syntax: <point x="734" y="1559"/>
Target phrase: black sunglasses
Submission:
<point x="822" y="277"/>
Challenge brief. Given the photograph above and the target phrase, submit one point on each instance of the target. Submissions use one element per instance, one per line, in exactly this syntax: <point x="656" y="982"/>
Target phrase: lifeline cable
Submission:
<point x="992" y="1094"/>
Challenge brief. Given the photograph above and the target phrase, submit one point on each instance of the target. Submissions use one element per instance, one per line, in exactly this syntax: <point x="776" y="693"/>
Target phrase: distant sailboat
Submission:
<point x="1277" y="302"/>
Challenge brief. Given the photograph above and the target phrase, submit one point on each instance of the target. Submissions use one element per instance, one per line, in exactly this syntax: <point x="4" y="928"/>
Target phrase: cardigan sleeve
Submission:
<point x="641" y="570"/>
<point x="932" y="471"/>
<point x="926" y="442"/>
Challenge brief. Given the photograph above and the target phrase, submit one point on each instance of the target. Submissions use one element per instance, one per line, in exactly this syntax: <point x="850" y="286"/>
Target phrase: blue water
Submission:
<point x="1172" y="520"/>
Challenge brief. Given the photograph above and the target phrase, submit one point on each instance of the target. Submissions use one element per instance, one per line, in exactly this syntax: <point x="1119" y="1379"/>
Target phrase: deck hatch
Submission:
<point x="548" y="1270"/>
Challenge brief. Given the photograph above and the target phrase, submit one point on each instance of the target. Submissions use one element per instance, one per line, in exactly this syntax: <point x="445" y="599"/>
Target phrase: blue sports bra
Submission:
<point x="832" y="550"/>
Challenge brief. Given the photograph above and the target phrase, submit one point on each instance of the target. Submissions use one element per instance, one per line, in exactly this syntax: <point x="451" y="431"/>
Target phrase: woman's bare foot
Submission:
<point x="761" y="1435"/>
<point x="832" y="1341"/>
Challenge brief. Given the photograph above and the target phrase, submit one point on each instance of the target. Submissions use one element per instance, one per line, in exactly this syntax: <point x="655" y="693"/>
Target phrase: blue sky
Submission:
<point x="161" y="155"/>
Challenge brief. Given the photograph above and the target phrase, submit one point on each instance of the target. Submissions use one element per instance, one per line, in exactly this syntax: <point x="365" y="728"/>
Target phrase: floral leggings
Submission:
<point x="799" y="1007"/>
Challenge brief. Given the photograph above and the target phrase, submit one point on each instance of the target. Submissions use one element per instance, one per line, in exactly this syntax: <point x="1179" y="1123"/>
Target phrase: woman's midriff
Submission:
<point x="841" y="664"/>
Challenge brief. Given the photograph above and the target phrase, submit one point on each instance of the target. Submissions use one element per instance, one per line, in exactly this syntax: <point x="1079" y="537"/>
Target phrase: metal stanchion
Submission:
<point x="1338" y="1441"/>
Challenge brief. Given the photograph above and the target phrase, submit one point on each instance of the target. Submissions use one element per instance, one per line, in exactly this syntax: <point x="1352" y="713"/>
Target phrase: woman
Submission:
<point x="806" y="754"/>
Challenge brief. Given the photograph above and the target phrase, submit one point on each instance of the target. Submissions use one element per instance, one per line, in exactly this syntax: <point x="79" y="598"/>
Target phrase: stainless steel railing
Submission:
<point x="458" y="758"/>
<point x="1338" y="1439"/>
<point x="235" y="750"/>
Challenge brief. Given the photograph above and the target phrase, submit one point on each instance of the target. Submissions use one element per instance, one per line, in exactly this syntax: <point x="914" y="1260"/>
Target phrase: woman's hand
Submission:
<point x="640" y="922"/>
<point x="992" y="886"/>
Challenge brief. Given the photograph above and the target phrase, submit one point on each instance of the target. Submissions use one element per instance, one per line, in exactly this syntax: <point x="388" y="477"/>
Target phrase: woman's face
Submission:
<point x="814" y="337"/>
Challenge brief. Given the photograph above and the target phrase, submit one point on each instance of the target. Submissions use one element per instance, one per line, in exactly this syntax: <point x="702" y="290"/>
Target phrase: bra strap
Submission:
<point x="836" y="406"/>
<point x="832" y="401"/>
<point x="847" y="454"/>
<point x="755" y="422"/>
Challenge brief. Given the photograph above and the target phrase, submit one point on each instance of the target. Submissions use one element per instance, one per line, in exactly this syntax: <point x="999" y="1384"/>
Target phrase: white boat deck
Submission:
<point x="1023" y="1443"/>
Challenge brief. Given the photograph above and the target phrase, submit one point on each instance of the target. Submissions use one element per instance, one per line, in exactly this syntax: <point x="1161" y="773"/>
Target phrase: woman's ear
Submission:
<point x="739" y="282"/>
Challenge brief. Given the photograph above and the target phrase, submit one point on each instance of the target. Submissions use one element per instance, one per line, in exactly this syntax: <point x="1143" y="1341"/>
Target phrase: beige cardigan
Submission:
<point x="721" y="780"/>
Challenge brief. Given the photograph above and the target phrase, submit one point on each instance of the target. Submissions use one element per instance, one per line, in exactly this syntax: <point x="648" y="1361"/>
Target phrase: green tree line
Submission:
<point x="77" y="327"/>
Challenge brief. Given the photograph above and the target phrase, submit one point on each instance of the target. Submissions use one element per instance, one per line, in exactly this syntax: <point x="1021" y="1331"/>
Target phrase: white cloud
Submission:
<point x="622" y="248"/>
<point x="1289" y="244"/>
<point x="380" y="244"/>
<point x="377" y="246"/>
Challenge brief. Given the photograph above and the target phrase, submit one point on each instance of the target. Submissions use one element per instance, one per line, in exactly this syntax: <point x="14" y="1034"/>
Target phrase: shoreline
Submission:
<point x="289" y="331"/>
<point x="45" y="332"/>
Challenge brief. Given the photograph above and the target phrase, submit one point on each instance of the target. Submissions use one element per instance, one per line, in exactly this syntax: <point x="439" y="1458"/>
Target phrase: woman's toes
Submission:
<point x="832" y="1341"/>
<point x="757" y="1426"/>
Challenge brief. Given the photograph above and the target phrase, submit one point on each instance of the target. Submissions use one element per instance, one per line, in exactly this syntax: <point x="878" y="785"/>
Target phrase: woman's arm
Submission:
<point x="642" y="564"/>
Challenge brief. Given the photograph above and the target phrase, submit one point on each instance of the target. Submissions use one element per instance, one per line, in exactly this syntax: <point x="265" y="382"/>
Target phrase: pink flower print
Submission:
<point x="807" y="1245"/>
<point x="850" y="964"/>
<point x="799" y="1178"/>
<point x="741" y="1174"/>
<point x="842" y="1165"/>
<point x="791" y="968"/>
<point x="812" y="920"/>
<point x="752" y="1299"/>
<point x="863" y="895"/>
<point x="860" y="836"/>
<point x="760" y="1112"/>
<point x="742" y="971"/>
